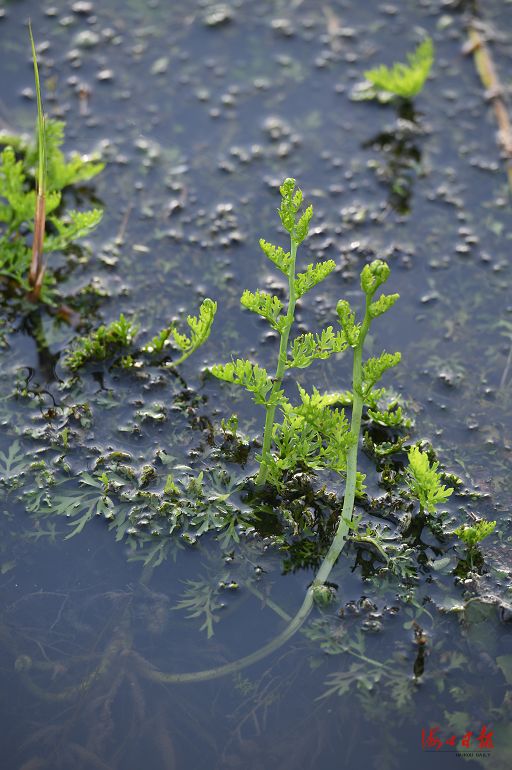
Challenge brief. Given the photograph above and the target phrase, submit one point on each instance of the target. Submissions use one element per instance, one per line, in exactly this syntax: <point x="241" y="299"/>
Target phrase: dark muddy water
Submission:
<point x="200" y="110"/>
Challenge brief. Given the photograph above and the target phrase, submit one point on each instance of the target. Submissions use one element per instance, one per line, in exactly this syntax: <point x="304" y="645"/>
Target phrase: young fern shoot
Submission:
<point x="266" y="390"/>
<point x="405" y="80"/>
<point x="425" y="481"/>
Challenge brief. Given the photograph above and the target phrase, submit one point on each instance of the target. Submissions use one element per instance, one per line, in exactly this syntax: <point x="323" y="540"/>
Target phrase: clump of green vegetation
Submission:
<point x="405" y="80"/>
<point x="328" y="425"/>
<point x="425" y="481"/>
<point x="103" y="343"/>
<point x="114" y="338"/>
<point x="32" y="178"/>
<point x="473" y="534"/>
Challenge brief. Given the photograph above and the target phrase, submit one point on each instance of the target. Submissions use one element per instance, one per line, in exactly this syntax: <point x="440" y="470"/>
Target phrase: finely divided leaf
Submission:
<point x="291" y="200"/>
<point x="61" y="172"/>
<point x="373" y="276"/>
<point x="200" y="328"/>
<point x="265" y="305"/>
<point x="383" y="304"/>
<point x="302" y="226"/>
<point x="79" y="224"/>
<point x="346" y="317"/>
<point x="314" y="274"/>
<point x="309" y="347"/>
<point x="21" y="202"/>
<point x="251" y="376"/>
<point x="425" y="480"/>
<point x="374" y="368"/>
<point x="277" y="255"/>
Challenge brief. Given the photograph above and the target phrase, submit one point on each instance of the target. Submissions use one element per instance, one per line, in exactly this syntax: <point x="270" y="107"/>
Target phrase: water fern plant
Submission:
<point x="267" y="390"/>
<point x="405" y="80"/>
<point x="103" y="343"/>
<point x="199" y="330"/>
<point x="473" y="534"/>
<point x="365" y="378"/>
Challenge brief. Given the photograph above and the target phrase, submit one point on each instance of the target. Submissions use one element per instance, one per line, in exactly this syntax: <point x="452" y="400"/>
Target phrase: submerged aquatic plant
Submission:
<point x="472" y="535"/>
<point x="103" y="343"/>
<point x="117" y="337"/>
<point x="29" y="211"/>
<point x="405" y="80"/>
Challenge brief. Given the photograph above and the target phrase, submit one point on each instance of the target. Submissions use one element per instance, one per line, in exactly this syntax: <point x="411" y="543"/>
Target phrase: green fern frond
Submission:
<point x="76" y="224"/>
<point x="383" y="304"/>
<point x="103" y="343"/>
<point x="61" y="172"/>
<point x="346" y="318"/>
<point x="425" y="480"/>
<point x="473" y="534"/>
<point x="278" y="256"/>
<point x="405" y="80"/>
<point x="374" y="368"/>
<point x="252" y="377"/>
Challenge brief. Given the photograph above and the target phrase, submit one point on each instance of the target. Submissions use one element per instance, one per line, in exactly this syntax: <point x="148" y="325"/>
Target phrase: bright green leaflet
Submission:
<point x="425" y="481"/>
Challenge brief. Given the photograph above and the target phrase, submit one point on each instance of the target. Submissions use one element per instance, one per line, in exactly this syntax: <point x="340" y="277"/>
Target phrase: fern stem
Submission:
<point x="281" y="366"/>
<point x="355" y="427"/>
